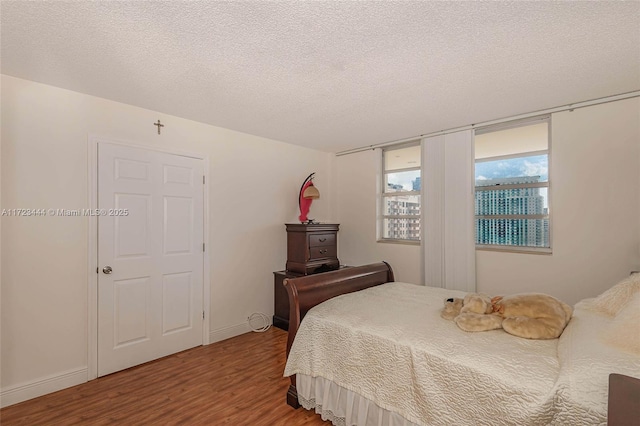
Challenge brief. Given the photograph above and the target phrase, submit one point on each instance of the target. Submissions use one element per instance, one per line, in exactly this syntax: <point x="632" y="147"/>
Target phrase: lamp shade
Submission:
<point x="311" y="192"/>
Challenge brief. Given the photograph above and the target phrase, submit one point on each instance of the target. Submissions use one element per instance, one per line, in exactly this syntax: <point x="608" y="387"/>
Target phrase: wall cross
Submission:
<point x="159" y="125"/>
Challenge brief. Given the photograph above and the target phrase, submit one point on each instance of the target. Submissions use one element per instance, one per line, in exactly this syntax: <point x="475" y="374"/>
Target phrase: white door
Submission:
<point x="150" y="255"/>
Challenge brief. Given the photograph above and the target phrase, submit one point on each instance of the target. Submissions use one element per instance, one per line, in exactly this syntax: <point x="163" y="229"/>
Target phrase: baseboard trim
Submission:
<point x="25" y="391"/>
<point x="228" y="332"/>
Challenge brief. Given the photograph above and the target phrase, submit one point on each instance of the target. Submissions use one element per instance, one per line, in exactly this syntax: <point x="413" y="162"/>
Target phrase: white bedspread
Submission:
<point x="389" y="344"/>
<point x="586" y="360"/>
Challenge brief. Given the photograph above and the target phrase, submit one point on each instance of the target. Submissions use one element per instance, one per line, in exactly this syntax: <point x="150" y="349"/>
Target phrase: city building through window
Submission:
<point x="512" y="186"/>
<point x="400" y="209"/>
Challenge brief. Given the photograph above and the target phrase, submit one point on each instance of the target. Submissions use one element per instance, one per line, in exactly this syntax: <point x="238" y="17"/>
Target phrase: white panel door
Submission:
<point x="150" y="255"/>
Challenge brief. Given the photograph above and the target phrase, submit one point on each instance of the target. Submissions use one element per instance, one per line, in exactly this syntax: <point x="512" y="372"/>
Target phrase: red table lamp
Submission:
<point x="308" y="193"/>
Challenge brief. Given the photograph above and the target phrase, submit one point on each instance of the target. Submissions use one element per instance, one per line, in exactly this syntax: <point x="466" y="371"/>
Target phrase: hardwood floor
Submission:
<point x="236" y="382"/>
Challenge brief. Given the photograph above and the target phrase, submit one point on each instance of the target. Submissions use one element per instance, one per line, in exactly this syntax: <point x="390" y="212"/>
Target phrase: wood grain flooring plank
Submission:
<point x="234" y="382"/>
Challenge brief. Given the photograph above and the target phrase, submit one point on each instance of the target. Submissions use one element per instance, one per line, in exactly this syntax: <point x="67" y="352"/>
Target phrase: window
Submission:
<point x="400" y="195"/>
<point x="512" y="186"/>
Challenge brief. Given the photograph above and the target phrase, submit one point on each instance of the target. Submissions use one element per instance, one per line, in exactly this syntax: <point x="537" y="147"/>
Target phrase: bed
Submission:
<point x="372" y="351"/>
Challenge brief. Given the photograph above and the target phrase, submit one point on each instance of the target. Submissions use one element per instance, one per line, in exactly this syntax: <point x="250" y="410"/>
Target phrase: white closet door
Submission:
<point x="150" y="253"/>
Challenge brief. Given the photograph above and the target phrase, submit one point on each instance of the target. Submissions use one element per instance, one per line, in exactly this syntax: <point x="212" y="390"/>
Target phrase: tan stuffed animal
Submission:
<point x="532" y="316"/>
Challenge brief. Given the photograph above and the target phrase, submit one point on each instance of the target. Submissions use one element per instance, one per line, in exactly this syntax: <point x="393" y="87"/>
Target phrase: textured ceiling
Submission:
<point x="328" y="75"/>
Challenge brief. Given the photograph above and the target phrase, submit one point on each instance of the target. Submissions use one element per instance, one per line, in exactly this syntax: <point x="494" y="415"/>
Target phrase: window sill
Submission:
<point x="512" y="249"/>
<point x="406" y="242"/>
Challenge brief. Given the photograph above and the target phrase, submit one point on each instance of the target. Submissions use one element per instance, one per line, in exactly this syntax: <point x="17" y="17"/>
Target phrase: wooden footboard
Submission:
<point x="310" y="290"/>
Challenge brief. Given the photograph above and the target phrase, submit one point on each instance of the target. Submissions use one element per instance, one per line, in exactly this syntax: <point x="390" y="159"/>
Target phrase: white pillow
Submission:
<point x="624" y="331"/>
<point x="612" y="301"/>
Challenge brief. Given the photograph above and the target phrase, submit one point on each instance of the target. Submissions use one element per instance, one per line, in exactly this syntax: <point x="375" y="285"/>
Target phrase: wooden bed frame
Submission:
<point x="310" y="290"/>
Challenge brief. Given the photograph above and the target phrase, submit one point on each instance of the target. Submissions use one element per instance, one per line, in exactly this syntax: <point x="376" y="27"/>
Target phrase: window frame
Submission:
<point x="514" y="248"/>
<point x="383" y="195"/>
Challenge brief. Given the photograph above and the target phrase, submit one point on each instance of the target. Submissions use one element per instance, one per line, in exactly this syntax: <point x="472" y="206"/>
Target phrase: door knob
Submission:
<point x="107" y="269"/>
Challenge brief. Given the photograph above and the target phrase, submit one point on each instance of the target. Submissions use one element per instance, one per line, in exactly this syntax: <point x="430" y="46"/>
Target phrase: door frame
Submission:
<point x="92" y="252"/>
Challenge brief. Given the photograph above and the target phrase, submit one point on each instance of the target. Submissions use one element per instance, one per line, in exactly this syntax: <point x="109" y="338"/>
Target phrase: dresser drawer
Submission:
<point x="321" y="240"/>
<point x="321" y="252"/>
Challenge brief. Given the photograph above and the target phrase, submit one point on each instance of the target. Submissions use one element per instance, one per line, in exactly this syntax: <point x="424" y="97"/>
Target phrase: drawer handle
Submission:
<point x="322" y="240"/>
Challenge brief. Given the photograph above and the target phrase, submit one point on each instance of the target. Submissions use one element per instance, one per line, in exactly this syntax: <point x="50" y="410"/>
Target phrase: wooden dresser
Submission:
<point x="281" y="299"/>
<point x="311" y="249"/>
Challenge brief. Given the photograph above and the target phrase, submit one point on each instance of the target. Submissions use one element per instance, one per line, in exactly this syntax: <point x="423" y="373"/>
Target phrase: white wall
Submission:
<point x="1" y="317"/>
<point x="596" y="205"/>
<point x="254" y="185"/>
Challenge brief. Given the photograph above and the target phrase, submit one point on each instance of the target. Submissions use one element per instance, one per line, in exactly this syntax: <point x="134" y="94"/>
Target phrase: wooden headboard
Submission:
<point x="311" y="290"/>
